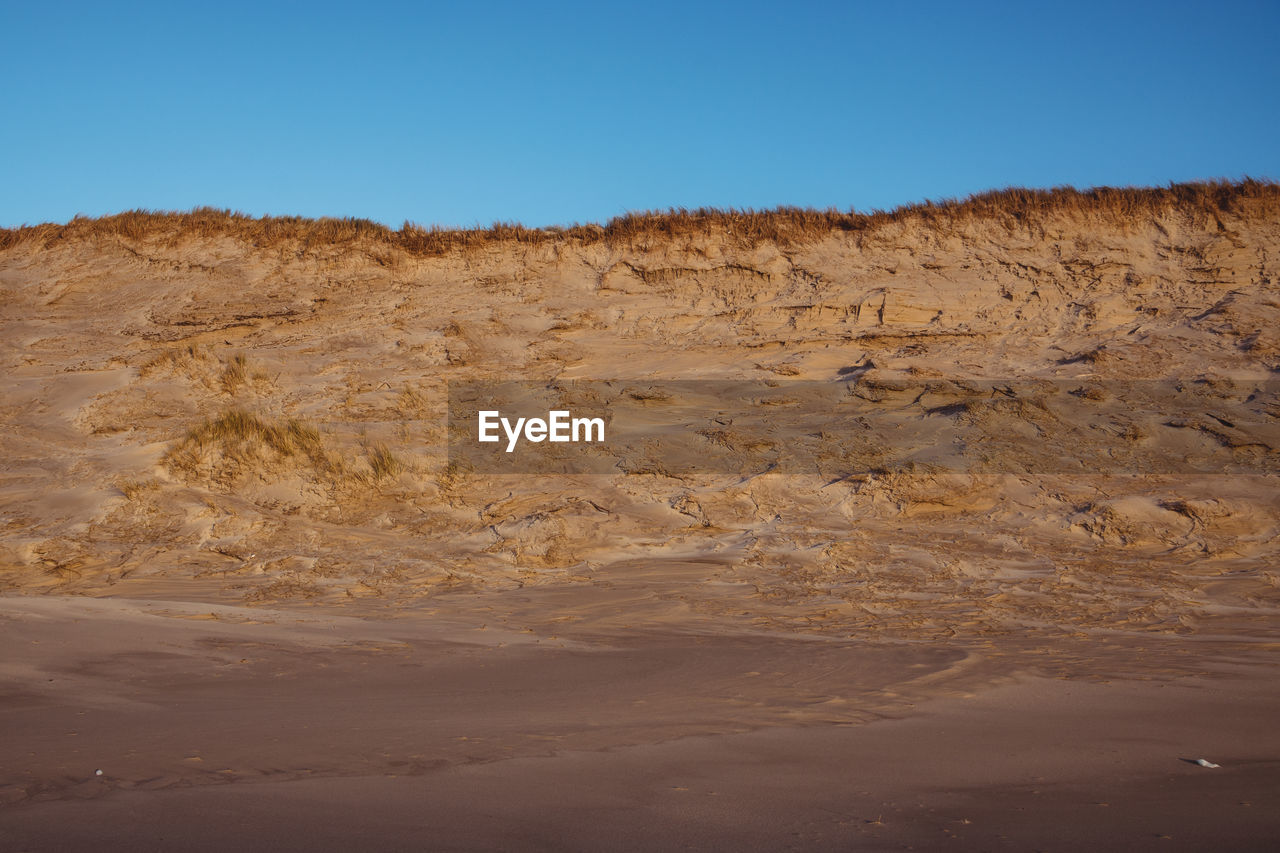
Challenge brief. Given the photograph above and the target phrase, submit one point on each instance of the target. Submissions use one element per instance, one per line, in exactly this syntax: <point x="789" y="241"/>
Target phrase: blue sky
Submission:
<point x="552" y="113"/>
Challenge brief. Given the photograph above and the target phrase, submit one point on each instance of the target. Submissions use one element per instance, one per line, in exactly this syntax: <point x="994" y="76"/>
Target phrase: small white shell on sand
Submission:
<point x="1204" y="762"/>
<point x="97" y="773"/>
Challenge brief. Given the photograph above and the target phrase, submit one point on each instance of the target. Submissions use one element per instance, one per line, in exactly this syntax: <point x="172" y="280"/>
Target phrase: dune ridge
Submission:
<point x="1014" y="206"/>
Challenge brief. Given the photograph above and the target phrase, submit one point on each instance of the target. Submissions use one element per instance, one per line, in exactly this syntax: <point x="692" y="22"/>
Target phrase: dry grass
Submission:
<point x="191" y="362"/>
<point x="202" y="366"/>
<point x="235" y="425"/>
<point x="412" y="402"/>
<point x="237" y="443"/>
<point x="382" y="462"/>
<point x="237" y="374"/>
<point x="135" y="489"/>
<point x="243" y="439"/>
<point x="784" y="226"/>
<point x="452" y="477"/>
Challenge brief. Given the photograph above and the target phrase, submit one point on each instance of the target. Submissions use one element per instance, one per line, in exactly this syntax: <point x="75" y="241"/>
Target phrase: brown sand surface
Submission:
<point x="296" y="729"/>
<point x="242" y="576"/>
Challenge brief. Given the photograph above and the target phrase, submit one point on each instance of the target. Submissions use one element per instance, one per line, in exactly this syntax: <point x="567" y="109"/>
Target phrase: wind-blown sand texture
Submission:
<point x="243" y="579"/>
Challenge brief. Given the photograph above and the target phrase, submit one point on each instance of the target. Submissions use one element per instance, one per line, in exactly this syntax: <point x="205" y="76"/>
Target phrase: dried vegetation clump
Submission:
<point x="201" y="366"/>
<point x="244" y="437"/>
<point x="1013" y="207"/>
<point x="237" y="444"/>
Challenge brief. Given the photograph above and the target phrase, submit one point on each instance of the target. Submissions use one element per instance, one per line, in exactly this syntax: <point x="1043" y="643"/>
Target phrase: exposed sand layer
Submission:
<point x="235" y="550"/>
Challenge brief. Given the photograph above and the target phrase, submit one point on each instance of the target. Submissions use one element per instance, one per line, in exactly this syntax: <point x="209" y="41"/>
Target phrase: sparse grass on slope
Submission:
<point x="202" y="366"/>
<point x="783" y="225"/>
<point x="244" y="441"/>
<point x="238" y="443"/>
<point x="242" y="428"/>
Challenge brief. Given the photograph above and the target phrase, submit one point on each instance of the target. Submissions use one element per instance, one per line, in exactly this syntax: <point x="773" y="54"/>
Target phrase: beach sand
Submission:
<point x="298" y="730"/>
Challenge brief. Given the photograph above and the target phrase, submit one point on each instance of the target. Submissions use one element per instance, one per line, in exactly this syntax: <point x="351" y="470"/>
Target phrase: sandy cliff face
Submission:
<point x="268" y="422"/>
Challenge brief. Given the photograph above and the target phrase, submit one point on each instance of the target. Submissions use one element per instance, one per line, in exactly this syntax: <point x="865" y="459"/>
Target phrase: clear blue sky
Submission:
<point x="551" y="113"/>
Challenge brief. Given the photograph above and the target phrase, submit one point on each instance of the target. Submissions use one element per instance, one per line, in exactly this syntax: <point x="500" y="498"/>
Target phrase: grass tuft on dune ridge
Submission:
<point x="1012" y="207"/>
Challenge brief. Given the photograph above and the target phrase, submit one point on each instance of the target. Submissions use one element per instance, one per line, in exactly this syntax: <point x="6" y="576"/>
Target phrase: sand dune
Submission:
<point x="225" y="451"/>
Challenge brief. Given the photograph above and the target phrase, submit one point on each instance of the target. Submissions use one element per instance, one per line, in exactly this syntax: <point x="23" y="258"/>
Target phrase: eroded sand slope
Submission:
<point x="129" y="358"/>
<point x="244" y="580"/>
